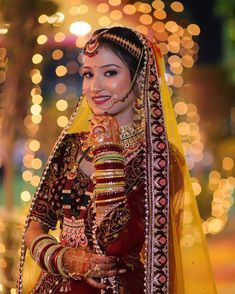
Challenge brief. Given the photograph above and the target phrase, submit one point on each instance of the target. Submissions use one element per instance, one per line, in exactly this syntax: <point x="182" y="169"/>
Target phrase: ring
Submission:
<point x="75" y="276"/>
<point x="93" y="272"/>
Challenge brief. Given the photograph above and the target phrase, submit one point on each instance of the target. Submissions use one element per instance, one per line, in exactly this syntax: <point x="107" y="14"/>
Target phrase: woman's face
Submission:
<point x="107" y="78"/>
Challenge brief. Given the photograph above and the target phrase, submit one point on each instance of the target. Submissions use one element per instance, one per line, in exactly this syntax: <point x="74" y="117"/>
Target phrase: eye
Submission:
<point x="87" y="74"/>
<point x="110" y="73"/>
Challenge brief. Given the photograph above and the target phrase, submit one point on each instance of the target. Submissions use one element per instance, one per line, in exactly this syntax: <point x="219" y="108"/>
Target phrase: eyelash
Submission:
<point x="110" y="73"/>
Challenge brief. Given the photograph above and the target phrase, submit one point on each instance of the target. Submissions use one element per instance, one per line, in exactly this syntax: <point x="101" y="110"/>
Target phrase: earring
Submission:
<point x="138" y="110"/>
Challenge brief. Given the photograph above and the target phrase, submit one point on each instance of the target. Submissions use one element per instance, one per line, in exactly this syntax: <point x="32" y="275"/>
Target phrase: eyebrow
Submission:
<point x="103" y="66"/>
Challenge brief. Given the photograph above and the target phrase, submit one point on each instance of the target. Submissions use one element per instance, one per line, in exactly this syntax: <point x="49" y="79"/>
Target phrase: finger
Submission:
<point x="93" y="283"/>
<point x="111" y="273"/>
<point x="105" y="267"/>
<point x="103" y="259"/>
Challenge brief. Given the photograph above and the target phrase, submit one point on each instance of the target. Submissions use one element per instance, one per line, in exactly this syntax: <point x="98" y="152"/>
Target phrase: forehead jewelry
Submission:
<point x="93" y="44"/>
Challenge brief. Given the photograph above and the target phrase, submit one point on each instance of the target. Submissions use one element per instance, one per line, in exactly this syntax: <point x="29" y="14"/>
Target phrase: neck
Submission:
<point x="125" y="117"/>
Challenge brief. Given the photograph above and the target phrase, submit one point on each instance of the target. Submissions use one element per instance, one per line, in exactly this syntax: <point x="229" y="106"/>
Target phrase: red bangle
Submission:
<point x="53" y="260"/>
<point x="41" y="258"/>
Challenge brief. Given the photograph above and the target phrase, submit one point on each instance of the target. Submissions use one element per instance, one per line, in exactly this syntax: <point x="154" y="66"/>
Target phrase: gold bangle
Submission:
<point x="40" y="246"/>
<point x="37" y="239"/>
<point x="48" y="254"/>
<point x="112" y="190"/>
<point x="61" y="268"/>
<point x="110" y="199"/>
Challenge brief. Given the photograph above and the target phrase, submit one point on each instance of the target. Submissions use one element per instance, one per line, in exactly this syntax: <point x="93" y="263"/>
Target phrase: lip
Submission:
<point x="100" y="99"/>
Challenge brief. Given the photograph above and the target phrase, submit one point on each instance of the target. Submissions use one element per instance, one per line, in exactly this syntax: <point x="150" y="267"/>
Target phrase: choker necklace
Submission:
<point x="132" y="137"/>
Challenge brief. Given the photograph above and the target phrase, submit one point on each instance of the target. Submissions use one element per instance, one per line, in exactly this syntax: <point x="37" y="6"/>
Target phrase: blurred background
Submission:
<point x="40" y="57"/>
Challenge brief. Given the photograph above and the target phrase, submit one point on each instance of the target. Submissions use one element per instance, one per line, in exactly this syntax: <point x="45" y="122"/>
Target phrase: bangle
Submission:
<point x="39" y="248"/>
<point x="47" y="257"/>
<point x="61" y="268"/>
<point x="37" y="239"/>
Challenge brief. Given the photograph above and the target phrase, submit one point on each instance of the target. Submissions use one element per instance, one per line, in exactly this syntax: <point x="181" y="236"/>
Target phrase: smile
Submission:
<point x="100" y="99"/>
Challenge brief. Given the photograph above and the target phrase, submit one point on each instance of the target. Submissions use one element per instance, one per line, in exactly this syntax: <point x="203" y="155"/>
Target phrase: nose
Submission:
<point x="96" y="84"/>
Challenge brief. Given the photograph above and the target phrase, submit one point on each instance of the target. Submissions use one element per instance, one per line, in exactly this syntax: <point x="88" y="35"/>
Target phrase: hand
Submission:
<point x="83" y="264"/>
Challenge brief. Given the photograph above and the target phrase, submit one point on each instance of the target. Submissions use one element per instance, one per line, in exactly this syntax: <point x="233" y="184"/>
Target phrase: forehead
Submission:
<point x="104" y="56"/>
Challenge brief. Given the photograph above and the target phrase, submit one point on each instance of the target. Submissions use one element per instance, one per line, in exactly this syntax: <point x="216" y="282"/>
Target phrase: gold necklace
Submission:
<point x="132" y="137"/>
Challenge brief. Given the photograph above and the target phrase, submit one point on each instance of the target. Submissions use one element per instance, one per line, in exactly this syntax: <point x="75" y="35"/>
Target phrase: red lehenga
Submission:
<point x="120" y="234"/>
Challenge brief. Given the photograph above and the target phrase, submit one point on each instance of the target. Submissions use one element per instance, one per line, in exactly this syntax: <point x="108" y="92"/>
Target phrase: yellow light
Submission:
<point x="2" y="248"/>
<point x="183" y="128"/>
<point x="177" y="6"/>
<point x="232" y="181"/>
<point x="3" y="31"/>
<point x="57" y="54"/>
<point x="13" y="291"/>
<point x="193" y="29"/>
<point x="36" y="163"/>
<point x="178" y="81"/>
<point x="104" y="21"/>
<point x="171" y="26"/>
<point x="27" y="175"/>
<point x="36" y="91"/>
<point x="176" y="68"/>
<point x="146" y="19"/>
<point x="61" y="71"/>
<point x="187" y="61"/>
<point x="187" y="42"/>
<point x="61" y="105"/>
<point x="103" y="8"/>
<point x="42" y="39"/>
<point x="59" y="19"/>
<point x="181" y="108"/>
<point x="215" y="225"/>
<point x="196" y="188"/>
<point x="142" y="29"/>
<point x="35" y="181"/>
<point x="163" y="47"/>
<point x="27" y="159"/>
<point x="25" y="196"/>
<point x="37" y="58"/>
<point x="144" y="8"/>
<point x="43" y="18"/>
<point x="59" y="37"/>
<point x="162" y="36"/>
<point x="81" y="41"/>
<point x="36" y="118"/>
<point x="80" y="28"/>
<point x="160" y="14"/>
<point x="115" y="2"/>
<point x="158" y="4"/>
<point x="60" y="88"/>
<point x="37" y="99"/>
<point x="129" y="9"/>
<point x="228" y="163"/>
<point x="34" y="145"/>
<point x="174" y="59"/>
<point x="158" y="26"/>
<point x="116" y="15"/>
<point x="35" y="109"/>
<point x="36" y="78"/>
<point x="62" y="121"/>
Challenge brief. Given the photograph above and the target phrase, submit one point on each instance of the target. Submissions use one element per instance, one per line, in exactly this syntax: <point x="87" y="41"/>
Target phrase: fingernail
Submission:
<point x="122" y="271"/>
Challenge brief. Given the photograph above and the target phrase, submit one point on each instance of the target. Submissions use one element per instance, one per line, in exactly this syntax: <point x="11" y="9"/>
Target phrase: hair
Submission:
<point x="130" y="60"/>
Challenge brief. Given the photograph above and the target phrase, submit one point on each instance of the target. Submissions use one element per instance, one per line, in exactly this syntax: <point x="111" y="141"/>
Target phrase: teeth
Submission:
<point x="101" y="98"/>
